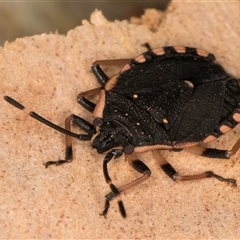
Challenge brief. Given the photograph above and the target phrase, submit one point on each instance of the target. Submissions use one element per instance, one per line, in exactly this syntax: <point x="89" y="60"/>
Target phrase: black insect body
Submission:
<point x="166" y="98"/>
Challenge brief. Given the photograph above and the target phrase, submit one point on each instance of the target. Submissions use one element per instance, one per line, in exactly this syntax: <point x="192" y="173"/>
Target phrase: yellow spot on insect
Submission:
<point x="190" y="84"/>
<point x="135" y="95"/>
<point x="165" y="120"/>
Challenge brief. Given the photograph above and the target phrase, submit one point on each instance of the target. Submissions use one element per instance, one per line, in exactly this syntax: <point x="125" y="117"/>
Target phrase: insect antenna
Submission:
<point x="41" y="119"/>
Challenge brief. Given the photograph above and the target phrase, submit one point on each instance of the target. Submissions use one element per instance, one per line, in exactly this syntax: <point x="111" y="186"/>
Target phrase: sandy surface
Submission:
<point x="45" y="73"/>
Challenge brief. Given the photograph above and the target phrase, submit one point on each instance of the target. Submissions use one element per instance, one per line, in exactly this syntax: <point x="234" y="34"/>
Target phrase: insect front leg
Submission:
<point x="172" y="173"/>
<point x="85" y="126"/>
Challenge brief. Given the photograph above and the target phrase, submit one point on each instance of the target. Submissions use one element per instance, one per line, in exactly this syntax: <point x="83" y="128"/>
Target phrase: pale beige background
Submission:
<point x="45" y="73"/>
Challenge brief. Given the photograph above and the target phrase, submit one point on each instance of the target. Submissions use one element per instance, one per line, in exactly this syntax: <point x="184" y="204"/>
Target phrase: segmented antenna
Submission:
<point x="40" y="118"/>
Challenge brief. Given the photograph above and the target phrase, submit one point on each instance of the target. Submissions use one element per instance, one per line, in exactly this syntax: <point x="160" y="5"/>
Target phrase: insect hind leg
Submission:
<point x="172" y="173"/>
<point x="102" y="79"/>
<point x="100" y="74"/>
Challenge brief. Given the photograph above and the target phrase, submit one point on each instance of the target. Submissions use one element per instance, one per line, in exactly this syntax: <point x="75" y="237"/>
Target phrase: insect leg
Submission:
<point x="101" y="77"/>
<point x="115" y="192"/>
<point x="85" y="102"/>
<point x="138" y="166"/>
<point x="214" y="153"/>
<point x="81" y="123"/>
<point x="147" y="46"/>
<point x="171" y="172"/>
<point x="100" y="74"/>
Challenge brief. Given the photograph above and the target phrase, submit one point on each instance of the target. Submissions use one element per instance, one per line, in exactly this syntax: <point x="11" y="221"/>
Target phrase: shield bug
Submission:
<point x="169" y="98"/>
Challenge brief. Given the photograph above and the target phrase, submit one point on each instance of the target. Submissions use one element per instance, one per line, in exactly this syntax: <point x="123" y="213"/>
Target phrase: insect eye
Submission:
<point x="128" y="149"/>
<point x="97" y="122"/>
